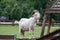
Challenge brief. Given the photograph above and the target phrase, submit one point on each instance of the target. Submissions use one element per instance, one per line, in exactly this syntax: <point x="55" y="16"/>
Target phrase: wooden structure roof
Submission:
<point x="55" y="8"/>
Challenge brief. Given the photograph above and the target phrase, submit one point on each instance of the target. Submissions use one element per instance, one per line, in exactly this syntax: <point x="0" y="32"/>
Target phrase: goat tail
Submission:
<point x="16" y="22"/>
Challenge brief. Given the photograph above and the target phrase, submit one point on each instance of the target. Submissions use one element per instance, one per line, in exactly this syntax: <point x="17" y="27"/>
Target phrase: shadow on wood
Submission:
<point x="7" y="37"/>
<point x="51" y="36"/>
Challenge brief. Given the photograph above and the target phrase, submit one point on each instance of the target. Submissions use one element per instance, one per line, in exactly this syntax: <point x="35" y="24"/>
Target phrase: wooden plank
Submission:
<point x="56" y="38"/>
<point x="7" y="36"/>
<point x="51" y="11"/>
<point x="49" y="25"/>
<point x="50" y="35"/>
<point x="43" y="25"/>
<point x="56" y="6"/>
<point x="57" y="3"/>
<point x="58" y="0"/>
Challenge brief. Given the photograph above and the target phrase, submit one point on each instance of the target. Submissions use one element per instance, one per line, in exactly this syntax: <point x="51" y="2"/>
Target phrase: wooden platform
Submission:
<point x="7" y="37"/>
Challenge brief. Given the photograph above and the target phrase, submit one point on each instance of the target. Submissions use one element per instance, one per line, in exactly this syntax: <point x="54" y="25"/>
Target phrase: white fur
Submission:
<point x="37" y="15"/>
<point x="27" y="24"/>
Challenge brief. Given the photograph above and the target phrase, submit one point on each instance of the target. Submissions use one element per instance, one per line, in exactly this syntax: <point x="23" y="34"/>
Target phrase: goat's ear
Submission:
<point x="33" y="13"/>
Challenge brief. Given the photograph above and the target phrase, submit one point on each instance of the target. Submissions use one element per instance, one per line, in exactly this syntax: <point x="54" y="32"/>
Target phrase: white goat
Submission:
<point x="28" y="24"/>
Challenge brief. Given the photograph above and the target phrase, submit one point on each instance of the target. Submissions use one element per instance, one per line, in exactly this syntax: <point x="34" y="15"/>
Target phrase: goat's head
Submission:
<point x="36" y="15"/>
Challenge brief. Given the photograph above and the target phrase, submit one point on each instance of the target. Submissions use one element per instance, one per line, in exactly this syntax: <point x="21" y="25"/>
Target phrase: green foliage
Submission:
<point x="16" y="9"/>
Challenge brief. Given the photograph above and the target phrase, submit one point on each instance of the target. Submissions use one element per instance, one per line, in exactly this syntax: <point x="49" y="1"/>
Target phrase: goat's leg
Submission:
<point x="32" y="33"/>
<point x="22" y="33"/>
<point x="19" y="29"/>
<point x="29" y="32"/>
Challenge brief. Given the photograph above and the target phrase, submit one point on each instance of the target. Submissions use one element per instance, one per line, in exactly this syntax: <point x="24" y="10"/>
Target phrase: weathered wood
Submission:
<point x="43" y="25"/>
<point x="50" y="35"/>
<point x="51" y="11"/>
<point x="50" y="20"/>
<point x="7" y="37"/>
<point x="56" y="38"/>
<point x="54" y="9"/>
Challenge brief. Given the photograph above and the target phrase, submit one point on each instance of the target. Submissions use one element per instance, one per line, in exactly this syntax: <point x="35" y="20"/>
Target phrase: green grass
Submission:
<point x="9" y="29"/>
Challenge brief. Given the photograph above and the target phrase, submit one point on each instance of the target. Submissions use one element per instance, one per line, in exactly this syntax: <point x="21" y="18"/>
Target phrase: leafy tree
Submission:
<point x="16" y="9"/>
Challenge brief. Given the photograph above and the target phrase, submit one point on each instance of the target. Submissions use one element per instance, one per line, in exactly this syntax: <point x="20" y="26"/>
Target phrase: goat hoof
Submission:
<point x="29" y="37"/>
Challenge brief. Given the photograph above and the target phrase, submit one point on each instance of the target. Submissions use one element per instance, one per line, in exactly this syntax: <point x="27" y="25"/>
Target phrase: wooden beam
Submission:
<point x="7" y="37"/>
<point x="49" y="25"/>
<point x="43" y="25"/>
<point x="52" y="10"/>
<point x="50" y="35"/>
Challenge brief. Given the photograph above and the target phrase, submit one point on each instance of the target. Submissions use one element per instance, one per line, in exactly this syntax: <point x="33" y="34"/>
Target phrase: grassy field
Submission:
<point x="9" y="29"/>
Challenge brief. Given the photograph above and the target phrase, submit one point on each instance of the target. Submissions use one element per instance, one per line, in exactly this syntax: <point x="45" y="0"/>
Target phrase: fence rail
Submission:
<point x="7" y="37"/>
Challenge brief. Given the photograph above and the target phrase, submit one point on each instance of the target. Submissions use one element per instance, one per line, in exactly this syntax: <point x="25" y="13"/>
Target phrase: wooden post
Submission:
<point x="50" y="20"/>
<point x="43" y="25"/>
